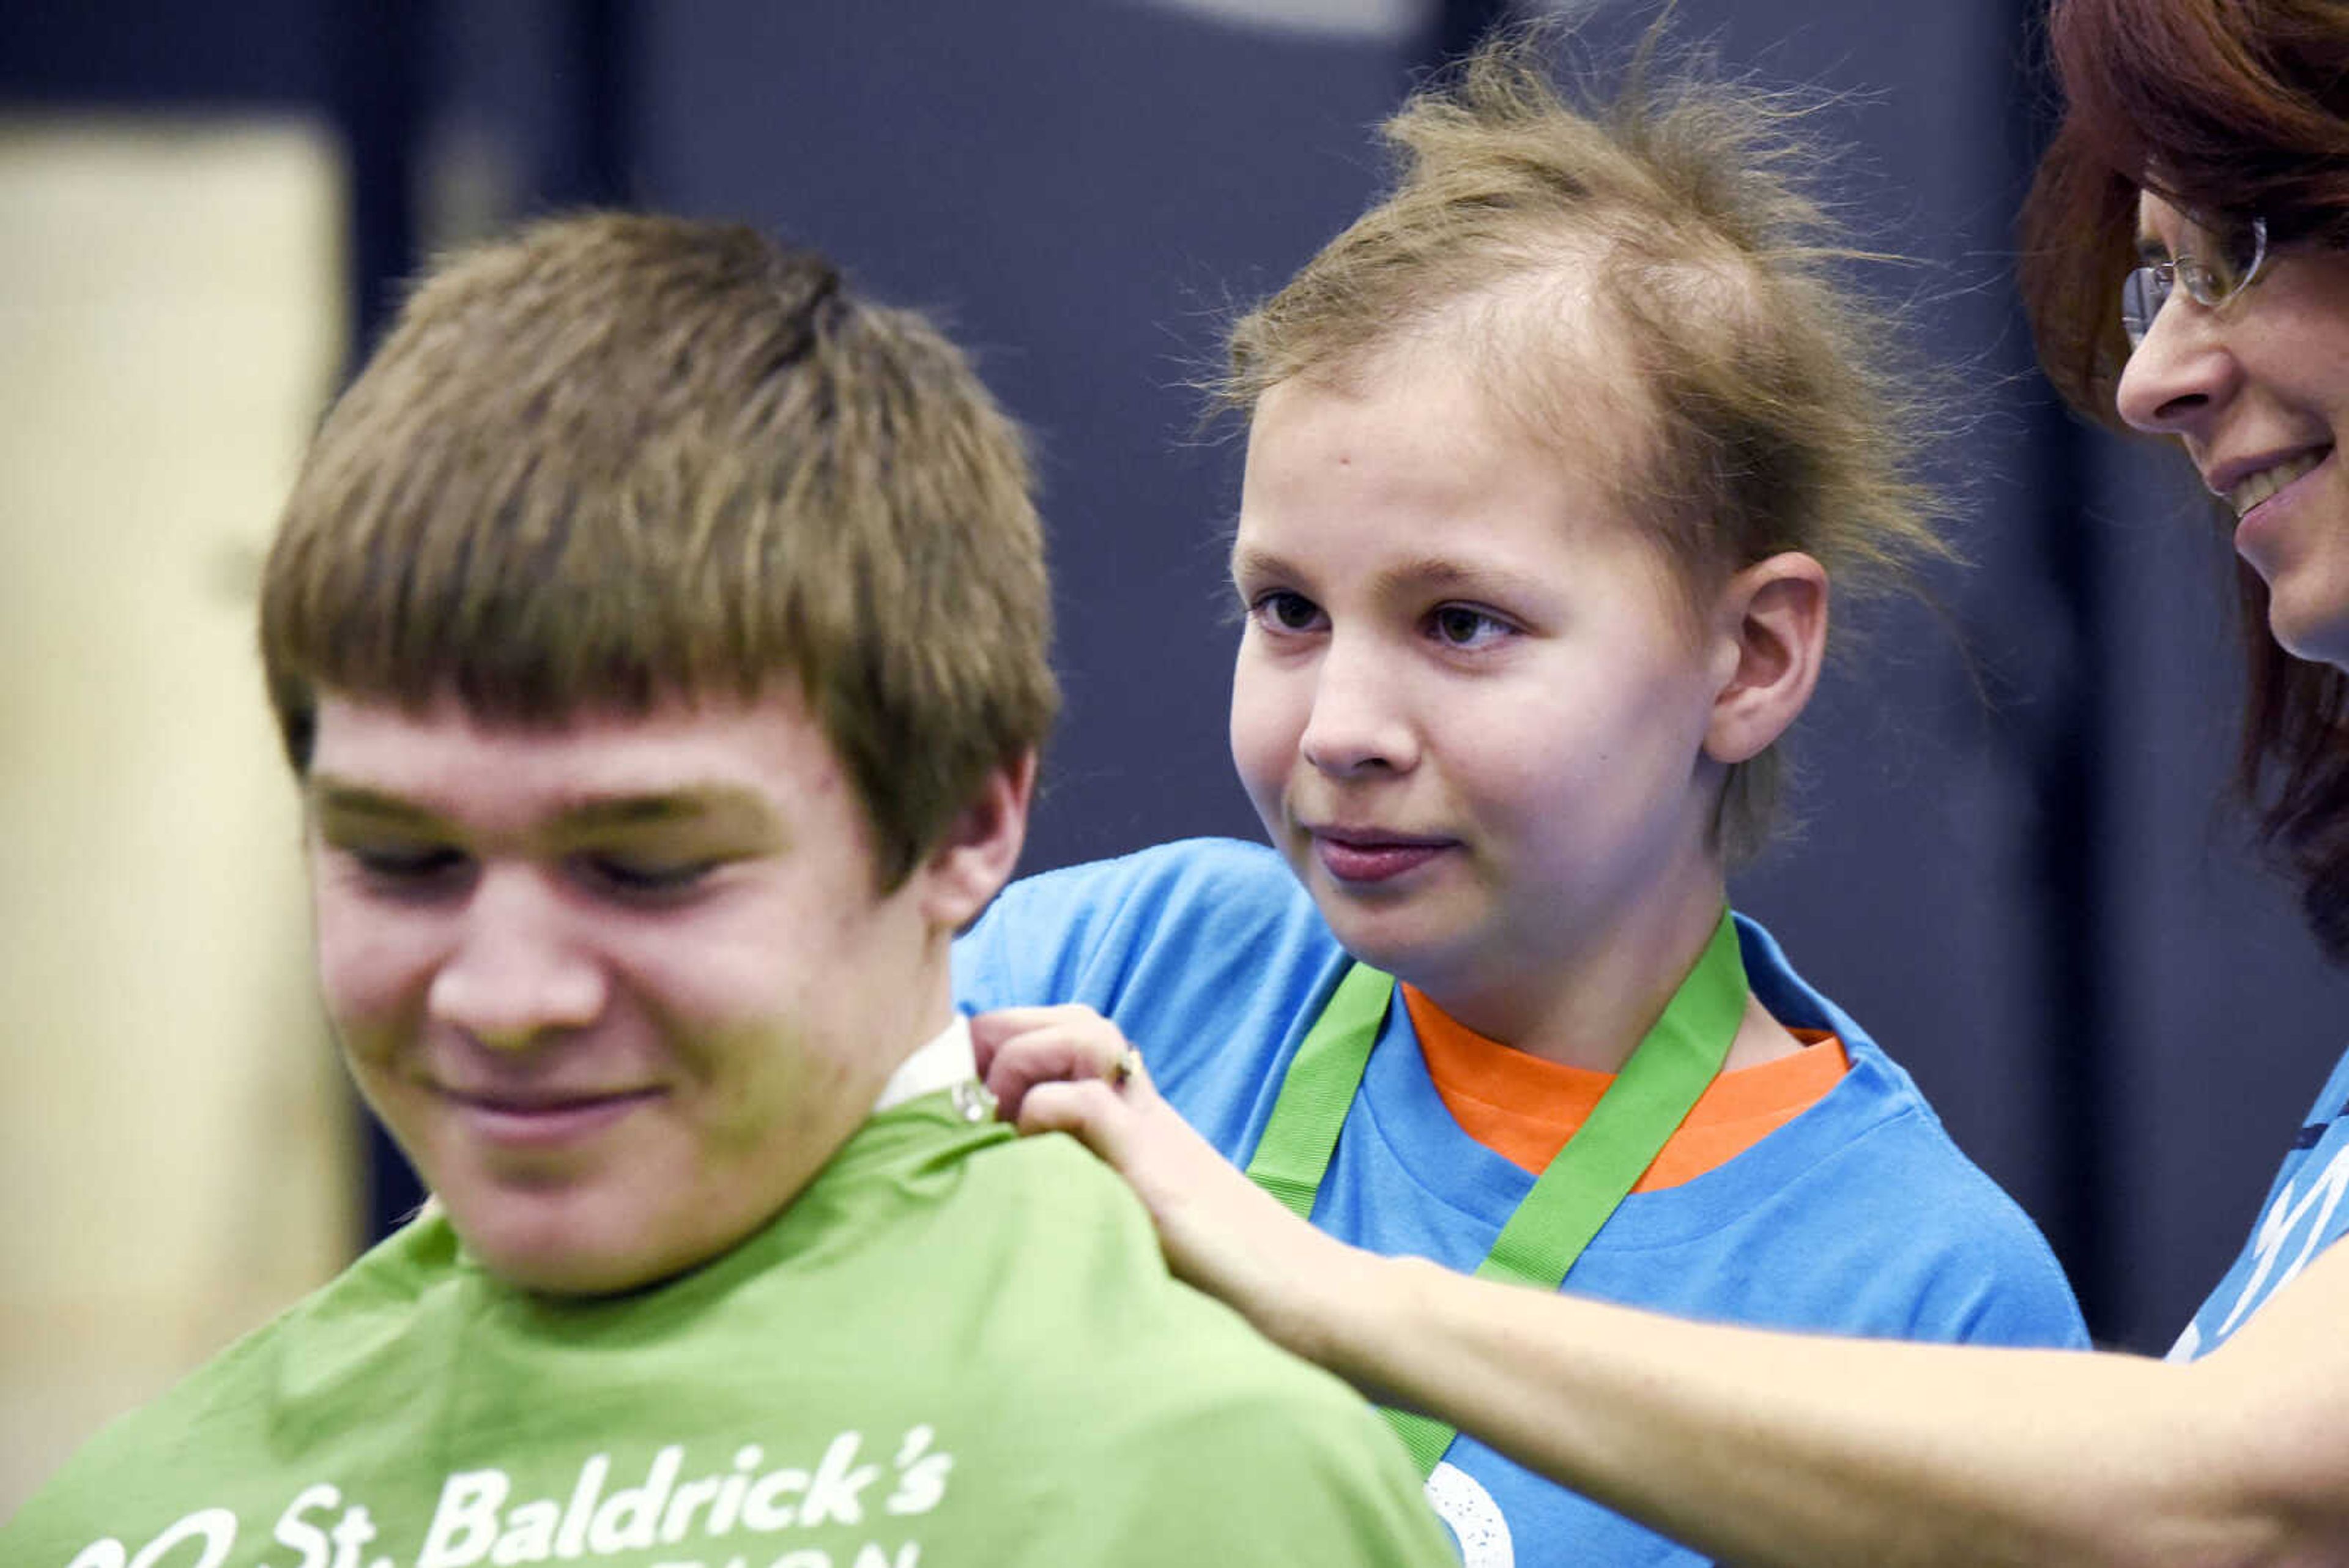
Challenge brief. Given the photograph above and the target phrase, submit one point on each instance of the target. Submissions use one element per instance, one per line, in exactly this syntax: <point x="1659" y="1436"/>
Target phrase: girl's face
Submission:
<point x="1470" y="703"/>
<point x="2258" y="390"/>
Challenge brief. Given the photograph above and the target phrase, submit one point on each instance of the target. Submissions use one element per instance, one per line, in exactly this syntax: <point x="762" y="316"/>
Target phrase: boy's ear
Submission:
<point x="1772" y="623"/>
<point x="981" y="845"/>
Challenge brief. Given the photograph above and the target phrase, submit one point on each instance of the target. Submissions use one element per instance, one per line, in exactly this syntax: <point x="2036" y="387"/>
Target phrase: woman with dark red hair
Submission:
<point x="2187" y="264"/>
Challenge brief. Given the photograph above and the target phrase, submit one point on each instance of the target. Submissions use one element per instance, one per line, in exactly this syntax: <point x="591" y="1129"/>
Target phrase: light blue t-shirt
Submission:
<point x="1857" y="1217"/>
<point x="2302" y="1216"/>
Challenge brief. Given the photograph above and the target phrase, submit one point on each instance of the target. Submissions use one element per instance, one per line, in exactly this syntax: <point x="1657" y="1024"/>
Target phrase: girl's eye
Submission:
<point x="1282" y="611"/>
<point x="1463" y="626"/>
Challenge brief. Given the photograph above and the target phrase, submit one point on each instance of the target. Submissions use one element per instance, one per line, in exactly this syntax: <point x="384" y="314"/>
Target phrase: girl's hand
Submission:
<point x="1068" y="1069"/>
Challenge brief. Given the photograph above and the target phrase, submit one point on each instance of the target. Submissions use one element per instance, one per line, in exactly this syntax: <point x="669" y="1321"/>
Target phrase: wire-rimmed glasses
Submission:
<point x="2209" y="281"/>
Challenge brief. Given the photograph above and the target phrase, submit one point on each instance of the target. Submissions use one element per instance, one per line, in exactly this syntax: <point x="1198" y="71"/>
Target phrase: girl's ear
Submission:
<point x="1772" y="617"/>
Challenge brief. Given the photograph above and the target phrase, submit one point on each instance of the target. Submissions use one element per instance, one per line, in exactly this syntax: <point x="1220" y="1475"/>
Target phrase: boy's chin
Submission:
<point x="572" y="1245"/>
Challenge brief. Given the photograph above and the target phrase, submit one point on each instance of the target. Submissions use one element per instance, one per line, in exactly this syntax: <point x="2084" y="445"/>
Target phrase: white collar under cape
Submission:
<point x="943" y="1063"/>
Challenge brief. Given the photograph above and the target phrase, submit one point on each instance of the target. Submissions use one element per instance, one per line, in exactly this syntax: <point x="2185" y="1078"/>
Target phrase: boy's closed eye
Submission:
<point x="404" y="867"/>
<point x="647" y="876"/>
<point x="420" y="869"/>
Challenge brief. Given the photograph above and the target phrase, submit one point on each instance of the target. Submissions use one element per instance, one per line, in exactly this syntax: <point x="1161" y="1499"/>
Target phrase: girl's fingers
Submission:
<point x="1021" y="1048"/>
<point x="1088" y="1110"/>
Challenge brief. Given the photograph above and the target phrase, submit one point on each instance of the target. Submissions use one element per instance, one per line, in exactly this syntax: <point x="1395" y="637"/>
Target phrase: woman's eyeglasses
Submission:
<point x="2209" y="281"/>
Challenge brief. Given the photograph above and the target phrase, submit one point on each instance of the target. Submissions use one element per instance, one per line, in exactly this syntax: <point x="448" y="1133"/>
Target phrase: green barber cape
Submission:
<point x="956" y="1348"/>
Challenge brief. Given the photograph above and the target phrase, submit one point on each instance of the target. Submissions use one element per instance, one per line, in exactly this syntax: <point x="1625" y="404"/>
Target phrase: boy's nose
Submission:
<point x="515" y="974"/>
<point x="1358" y="721"/>
<point x="2181" y="373"/>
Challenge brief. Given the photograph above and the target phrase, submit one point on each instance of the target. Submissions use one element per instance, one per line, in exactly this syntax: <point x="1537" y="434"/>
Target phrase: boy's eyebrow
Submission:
<point x="326" y="793"/>
<point x="652" y="808"/>
<point x="697" y="803"/>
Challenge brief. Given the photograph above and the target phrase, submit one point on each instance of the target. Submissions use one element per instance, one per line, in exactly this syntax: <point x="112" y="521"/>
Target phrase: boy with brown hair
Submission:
<point x="659" y="633"/>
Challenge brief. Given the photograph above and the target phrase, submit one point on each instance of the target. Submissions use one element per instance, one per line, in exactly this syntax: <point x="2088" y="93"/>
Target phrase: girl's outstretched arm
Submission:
<point x="1759" y="1447"/>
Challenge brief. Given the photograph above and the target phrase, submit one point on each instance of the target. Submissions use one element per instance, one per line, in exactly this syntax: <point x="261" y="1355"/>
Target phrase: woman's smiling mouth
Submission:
<point x="2255" y="488"/>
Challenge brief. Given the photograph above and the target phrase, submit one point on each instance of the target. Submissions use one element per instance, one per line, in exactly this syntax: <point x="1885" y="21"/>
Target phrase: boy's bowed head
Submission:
<point x="660" y="633"/>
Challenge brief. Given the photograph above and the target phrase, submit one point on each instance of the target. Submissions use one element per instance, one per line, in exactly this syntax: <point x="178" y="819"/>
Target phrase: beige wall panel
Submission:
<point x="175" y="1162"/>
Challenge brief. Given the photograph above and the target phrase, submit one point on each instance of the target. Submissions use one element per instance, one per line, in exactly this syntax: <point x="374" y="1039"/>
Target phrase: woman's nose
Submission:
<point x="2182" y="371"/>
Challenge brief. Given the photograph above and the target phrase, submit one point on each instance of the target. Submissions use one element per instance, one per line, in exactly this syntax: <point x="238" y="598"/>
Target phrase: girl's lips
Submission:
<point x="1368" y="860"/>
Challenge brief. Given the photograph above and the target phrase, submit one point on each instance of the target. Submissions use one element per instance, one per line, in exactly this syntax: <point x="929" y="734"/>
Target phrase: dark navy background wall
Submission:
<point x="2012" y="865"/>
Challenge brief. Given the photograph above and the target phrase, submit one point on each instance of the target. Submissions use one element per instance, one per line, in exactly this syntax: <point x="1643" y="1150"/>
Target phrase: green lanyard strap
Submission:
<point x="1580" y="1188"/>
